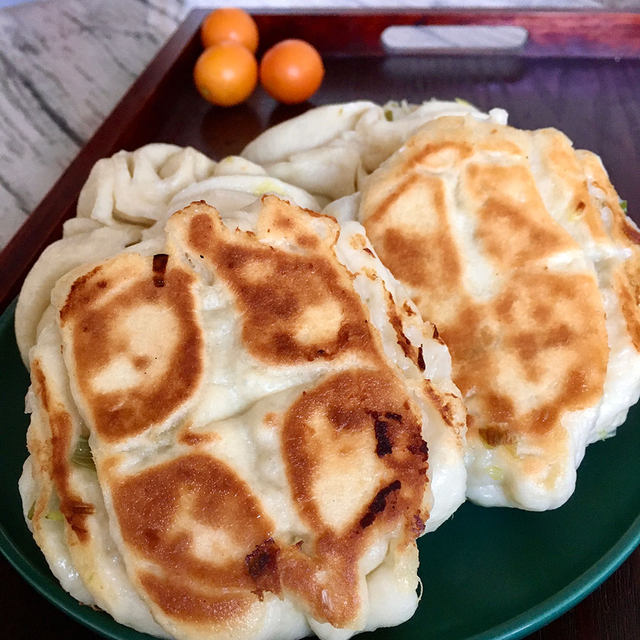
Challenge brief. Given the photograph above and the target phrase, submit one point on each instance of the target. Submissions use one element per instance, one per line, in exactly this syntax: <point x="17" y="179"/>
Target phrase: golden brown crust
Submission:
<point x="73" y="508"/>
<point x="402" y="245"/>
<point x="296" y="307"/>
<point x="159" y="509"/>
<point x="563" y="167"/>
<point x="626" y="280"/>
<point x="539" y="329"/>
<point x="108" y="314"/>
<point x="350" y="422"/>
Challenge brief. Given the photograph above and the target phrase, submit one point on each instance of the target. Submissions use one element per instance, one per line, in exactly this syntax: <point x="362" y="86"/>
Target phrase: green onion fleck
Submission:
<point x="496" y="473"/>
<point x="388" y="114"/>
<point x="82" y="455"/>
<point x="56" y="516"/>
<point x="623" y="205"/>
<point x="32" y="510"/>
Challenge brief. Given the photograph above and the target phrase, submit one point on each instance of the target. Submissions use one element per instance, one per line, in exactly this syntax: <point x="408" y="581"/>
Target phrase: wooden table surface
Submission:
<point x="539" y="91"/>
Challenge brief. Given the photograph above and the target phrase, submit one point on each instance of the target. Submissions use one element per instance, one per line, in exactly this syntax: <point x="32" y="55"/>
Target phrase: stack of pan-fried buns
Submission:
<point x="242" y="418"/>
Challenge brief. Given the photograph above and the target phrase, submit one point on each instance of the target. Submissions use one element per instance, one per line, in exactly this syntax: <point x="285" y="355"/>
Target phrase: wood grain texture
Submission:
<point x="63" y="68"/>
<point x="594" y="98"/>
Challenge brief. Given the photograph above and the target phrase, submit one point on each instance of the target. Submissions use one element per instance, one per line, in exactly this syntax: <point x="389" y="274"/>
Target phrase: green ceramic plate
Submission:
<point x="487" y="573"/>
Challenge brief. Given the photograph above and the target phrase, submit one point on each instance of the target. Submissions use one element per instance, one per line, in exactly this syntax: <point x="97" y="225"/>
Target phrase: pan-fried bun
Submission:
<point x="271" y="422"/>
<point x="516" y="247"/>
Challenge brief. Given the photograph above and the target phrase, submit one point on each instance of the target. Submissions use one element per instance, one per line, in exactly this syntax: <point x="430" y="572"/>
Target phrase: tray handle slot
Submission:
<point x="454" y="39"/>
